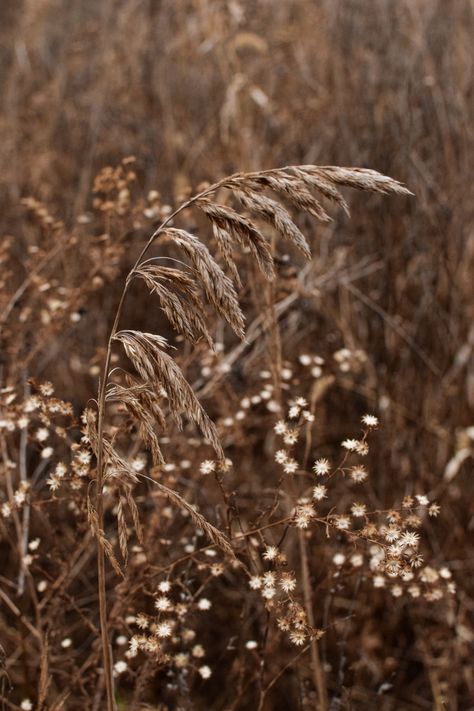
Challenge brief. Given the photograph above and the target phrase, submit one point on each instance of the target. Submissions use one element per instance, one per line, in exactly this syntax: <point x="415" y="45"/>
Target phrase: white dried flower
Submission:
<point x="46" y="389"/>
<point x="319" y="492"/>
<point x="273" y="406"/>
<point x="359" y="474"/>
<point x="321" y="466"/>
<point x="60" y="470"/>
<point x="164" y="629"/>
<point x="290" y="466"/>
<point x="392" y="533"/>
<point x="269" y="578"/>
<point x="409" y="539"/>
<point x="298" y="637"/>
<point x="84" y="457"/>
<point x="19" y="497"/>
<point x="141" y="621"/>
<point x="281" y="456"/>
<point x="120" y="667"/>
<point x="290" y="437"/>
<point x="255" y="582"/>
<point x="204" y="604"/>
<point x="181" y="660"/>
<point x="357" y="560"/>
<point x="445" y="573"/>
<point x="370" y="421"/>
<point x="34" y="545"/>
<point x="287" y="582"/>
<point x="163" y="603"/>
<point x="207" y="467"/>
<point x="280" y="427"/>
<point x="358" y="510"/>
<point x="271" y="552"/>
<point x="362" y="448"/>
<point x="32" y="404"/>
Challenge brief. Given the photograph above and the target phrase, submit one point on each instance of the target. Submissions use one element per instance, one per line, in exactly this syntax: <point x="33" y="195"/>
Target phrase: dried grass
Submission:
<point x="379" y="320"/>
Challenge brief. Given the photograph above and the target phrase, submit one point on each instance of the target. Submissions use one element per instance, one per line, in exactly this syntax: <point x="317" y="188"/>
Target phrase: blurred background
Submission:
<point x="197" y="89"/>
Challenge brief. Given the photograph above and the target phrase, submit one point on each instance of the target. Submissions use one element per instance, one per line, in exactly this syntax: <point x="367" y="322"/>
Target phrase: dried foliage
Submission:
<point x="252" y="531"/>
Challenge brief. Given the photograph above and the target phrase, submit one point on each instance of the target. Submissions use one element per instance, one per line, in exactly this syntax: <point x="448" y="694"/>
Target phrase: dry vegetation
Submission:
<point x="236" y="424"/>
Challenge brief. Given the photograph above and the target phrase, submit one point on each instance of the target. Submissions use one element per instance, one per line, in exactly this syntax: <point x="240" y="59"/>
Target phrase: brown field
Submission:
<point x="247" y="485"/>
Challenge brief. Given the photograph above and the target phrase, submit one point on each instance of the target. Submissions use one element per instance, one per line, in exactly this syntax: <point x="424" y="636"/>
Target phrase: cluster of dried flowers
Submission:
<point x="390" y="539"/>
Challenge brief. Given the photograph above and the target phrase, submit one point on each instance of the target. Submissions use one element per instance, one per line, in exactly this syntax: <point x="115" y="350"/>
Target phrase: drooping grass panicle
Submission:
<point x="241" y="230"/>
<point x="142" y="405"/>
<point x="362" y="179"/>
<point x="115" y="465"/>
<point x="102" y="539"/>
<point x="217" y="286"/>
<point x="179" y="300"/>
<point x="274" y="213"/>
<point x="291" y="187"/>
<point x="159" y="370"/>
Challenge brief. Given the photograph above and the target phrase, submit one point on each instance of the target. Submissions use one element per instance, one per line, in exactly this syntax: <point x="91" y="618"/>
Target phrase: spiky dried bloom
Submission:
<point x="321" y="466"/>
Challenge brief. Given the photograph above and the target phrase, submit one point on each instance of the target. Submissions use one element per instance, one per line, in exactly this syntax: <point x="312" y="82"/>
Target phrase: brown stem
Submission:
<point x="101" y="580"/>
<point x="317" y="667"/>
